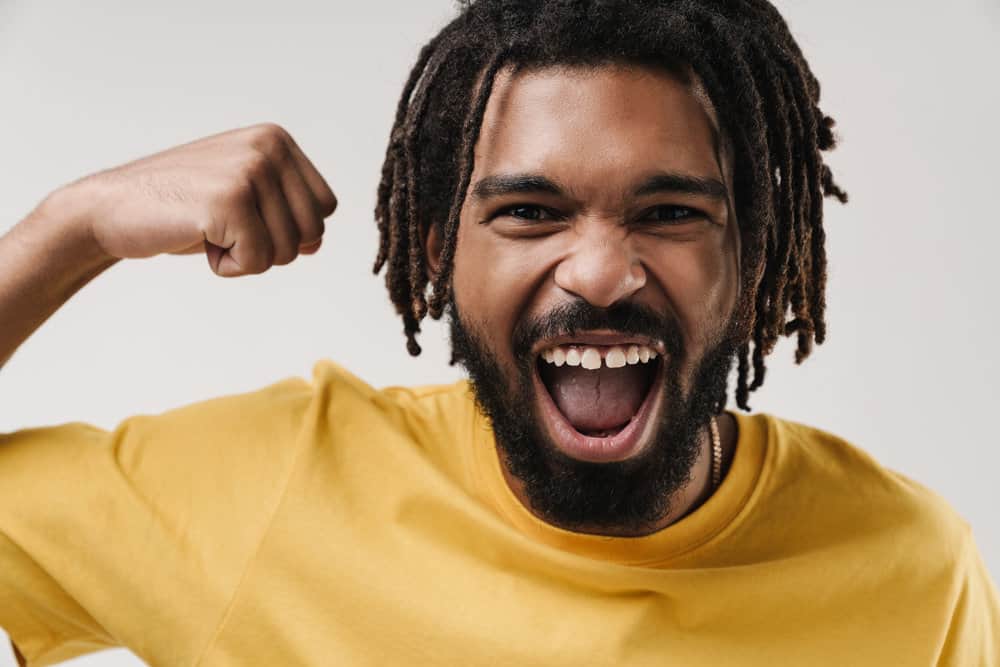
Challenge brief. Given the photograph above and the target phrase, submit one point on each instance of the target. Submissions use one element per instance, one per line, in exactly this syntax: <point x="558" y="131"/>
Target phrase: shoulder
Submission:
<point x="341" y="385"/>
<point x="427" y="413"/>
<point x="848" y="491"/>
<point x="266" y="408"/>
<point x="201" y="431"/>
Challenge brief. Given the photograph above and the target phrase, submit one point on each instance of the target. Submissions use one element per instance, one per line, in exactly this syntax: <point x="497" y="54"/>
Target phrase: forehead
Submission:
<point x="607" y="123"/>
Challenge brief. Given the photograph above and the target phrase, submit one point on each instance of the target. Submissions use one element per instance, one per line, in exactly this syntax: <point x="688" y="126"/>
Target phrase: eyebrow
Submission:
<point x="683" y="183"/>
<point x="662" y="182"/>
<point x="505" y="184"/>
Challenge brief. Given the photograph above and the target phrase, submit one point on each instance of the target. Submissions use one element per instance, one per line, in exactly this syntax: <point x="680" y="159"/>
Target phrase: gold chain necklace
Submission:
<point x="716" y="453"/>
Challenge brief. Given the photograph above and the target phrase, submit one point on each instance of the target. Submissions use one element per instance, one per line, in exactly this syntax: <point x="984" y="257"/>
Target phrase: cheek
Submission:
<point x="492" y="282"/>
<point x="702" y="283"/>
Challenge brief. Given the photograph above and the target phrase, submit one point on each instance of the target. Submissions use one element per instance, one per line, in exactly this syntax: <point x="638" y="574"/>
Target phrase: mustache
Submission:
<point x="627" y="318"/>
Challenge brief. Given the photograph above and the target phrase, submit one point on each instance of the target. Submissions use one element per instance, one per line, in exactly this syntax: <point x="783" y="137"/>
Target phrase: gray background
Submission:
<point x="909" y="371"/>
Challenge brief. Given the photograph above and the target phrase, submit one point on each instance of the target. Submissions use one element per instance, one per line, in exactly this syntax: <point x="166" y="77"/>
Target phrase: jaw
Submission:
<point x="614" y="445"/>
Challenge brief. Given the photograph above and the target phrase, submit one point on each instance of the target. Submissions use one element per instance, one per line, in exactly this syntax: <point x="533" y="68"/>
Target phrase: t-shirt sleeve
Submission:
<point x="974" y="633"/>
<point x="138" y="536"/>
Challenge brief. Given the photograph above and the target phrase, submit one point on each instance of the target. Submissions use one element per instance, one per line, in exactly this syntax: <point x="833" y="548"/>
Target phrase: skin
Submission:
<point x="598" y="134"/>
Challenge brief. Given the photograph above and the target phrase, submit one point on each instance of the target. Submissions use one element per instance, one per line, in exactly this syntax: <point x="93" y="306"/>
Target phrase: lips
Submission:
<point x="597" y="404"/>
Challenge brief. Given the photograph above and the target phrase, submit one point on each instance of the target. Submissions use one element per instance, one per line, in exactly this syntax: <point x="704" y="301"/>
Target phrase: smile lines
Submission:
<point x="592" y="358"/>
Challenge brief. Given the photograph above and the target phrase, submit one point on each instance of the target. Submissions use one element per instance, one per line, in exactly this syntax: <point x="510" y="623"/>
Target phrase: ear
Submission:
<point x="432" y="250"/>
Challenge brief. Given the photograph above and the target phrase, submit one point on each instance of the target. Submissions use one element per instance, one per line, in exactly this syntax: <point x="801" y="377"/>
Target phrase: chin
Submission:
<point x="592" y="418"/>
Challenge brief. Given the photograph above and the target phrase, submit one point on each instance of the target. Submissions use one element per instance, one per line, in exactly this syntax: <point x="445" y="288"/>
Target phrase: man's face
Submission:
<point x="595" y="278"/>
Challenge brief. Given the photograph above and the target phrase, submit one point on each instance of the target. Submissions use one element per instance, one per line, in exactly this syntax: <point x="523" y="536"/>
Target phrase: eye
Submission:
<point x="526" y="212"/>
<point x="672" y="214"/>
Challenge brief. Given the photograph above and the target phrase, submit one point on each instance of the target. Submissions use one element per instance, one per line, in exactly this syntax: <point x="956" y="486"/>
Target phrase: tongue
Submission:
<point x="598" y="400"/>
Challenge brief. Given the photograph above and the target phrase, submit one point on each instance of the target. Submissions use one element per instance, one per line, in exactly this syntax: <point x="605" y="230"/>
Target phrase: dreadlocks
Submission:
<point x="759" y="84"/>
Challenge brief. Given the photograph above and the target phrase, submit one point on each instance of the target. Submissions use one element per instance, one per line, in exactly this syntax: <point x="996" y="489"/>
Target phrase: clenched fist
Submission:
<point x="248" y="199"/>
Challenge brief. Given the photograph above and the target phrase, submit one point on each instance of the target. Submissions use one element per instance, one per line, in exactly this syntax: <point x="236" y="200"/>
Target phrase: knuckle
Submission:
<point x="270" y="139"/>
<point x="257" y="166"/>
<point x="271" y="127"/>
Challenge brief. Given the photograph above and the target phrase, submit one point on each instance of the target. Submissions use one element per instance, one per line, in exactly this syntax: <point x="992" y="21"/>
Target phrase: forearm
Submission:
<point x="44" y="260"/>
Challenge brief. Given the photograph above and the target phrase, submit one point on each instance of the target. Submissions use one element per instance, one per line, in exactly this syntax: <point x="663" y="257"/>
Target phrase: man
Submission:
<point x="611" y="201"/>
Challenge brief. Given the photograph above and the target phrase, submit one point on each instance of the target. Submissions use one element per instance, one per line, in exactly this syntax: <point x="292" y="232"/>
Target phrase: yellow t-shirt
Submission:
<point x="329" y="523"/>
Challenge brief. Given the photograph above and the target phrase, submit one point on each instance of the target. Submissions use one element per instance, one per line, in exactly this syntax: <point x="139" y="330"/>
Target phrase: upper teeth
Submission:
<point x="591" y="357"/>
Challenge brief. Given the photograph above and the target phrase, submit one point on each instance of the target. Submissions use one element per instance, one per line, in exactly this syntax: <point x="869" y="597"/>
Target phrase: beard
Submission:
<point x="630" y="495"/>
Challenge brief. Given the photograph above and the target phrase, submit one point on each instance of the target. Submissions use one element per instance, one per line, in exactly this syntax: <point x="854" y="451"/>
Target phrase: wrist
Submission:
<point x="63" y="224"/>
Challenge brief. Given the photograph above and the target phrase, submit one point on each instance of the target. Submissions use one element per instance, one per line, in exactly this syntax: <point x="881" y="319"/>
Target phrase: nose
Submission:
<point x="601" y="268"/>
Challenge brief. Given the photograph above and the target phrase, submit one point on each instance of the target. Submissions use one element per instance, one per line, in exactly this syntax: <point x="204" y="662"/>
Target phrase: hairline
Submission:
<point x="677" y="69"/>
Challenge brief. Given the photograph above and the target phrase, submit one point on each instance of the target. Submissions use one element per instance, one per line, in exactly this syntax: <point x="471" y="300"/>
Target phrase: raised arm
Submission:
<point x="249" y="199"/>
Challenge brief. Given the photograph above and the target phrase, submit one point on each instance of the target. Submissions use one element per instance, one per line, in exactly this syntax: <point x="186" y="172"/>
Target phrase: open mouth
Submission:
<point x="597" y="394"/>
